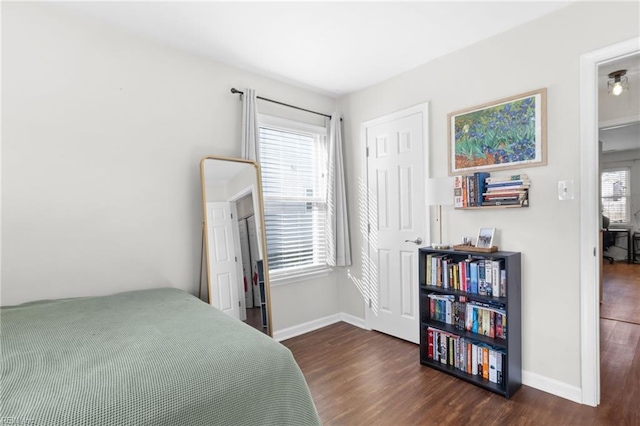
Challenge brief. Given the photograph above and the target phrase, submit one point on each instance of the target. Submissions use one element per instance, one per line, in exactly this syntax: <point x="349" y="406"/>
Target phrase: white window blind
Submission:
<point x="616" y="195"/>
<point x="293" y="166"/>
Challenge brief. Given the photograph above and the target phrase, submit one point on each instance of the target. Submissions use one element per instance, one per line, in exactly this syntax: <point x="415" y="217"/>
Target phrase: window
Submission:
<point x="293" y="158"/>
<point x="616" y="195"/>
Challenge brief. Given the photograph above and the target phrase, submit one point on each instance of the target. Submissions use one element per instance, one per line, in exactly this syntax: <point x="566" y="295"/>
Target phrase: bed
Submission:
<point x="151" y="357"/>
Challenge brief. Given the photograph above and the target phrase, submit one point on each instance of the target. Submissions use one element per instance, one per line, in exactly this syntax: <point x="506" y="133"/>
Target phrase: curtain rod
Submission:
<point x="234" y="91"/>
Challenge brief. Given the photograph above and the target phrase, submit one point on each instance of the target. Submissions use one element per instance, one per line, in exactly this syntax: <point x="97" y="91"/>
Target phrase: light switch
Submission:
<point x="565" y="190"/>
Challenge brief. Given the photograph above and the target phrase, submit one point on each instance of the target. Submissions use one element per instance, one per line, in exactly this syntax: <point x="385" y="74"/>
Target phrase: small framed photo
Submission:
<point x="485" y="237"/>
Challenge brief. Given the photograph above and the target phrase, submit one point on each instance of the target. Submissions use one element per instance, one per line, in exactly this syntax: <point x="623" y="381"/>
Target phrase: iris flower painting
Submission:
<point x="509" y="133"/>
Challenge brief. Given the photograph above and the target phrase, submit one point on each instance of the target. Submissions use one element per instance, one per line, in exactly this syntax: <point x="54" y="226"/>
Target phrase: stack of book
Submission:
<point x="506" y="190"/>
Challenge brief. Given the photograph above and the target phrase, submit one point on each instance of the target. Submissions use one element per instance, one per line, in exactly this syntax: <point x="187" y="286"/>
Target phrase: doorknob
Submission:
<point x="417" y="241"/>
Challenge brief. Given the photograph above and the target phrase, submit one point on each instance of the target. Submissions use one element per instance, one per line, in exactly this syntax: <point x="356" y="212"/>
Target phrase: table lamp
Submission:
<point x="439" y="193"/>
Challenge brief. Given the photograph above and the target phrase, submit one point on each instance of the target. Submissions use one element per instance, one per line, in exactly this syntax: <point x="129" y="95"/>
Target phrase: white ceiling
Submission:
<point x="330" y="47"/>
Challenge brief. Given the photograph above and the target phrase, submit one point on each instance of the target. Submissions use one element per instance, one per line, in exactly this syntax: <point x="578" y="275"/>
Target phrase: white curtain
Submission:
<point x="250" y="130"/>
<point x="338" y="247"/>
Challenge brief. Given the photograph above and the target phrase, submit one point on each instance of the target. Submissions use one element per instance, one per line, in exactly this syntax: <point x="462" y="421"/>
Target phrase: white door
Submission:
<point x="396" y="166"/>
<point x="223" y="277"/>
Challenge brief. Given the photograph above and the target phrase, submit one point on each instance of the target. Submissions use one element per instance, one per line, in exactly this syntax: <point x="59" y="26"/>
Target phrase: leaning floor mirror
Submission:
<point x="235" y="241"/>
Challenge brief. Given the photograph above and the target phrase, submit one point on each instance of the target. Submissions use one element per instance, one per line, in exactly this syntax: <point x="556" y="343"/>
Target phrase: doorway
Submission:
<point x="590" y="222"/>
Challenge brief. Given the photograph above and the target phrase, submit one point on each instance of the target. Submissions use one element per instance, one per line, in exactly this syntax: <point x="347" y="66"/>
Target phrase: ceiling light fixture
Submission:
<point x="618" y="83"/>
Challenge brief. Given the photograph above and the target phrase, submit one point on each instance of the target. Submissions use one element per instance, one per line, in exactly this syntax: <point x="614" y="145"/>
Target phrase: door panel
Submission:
<point x="408" y="281"/>
<point x="385" y="290"/>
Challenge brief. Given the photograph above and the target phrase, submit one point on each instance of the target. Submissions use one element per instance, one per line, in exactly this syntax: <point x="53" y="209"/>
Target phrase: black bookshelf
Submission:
<point x="511" y="303"/>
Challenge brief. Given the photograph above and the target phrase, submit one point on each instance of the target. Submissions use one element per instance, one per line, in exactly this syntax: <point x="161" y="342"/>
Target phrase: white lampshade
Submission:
<point x="439" y="191"/>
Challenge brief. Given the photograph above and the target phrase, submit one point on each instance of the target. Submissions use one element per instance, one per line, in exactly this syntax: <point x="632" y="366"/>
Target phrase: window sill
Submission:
<point x="278" y="279"/>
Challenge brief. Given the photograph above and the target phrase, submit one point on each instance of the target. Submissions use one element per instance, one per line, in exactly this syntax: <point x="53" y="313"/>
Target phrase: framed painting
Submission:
<point x="505" y="134"/>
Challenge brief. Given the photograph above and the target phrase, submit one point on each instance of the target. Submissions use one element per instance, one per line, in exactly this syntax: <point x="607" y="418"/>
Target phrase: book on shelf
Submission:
<point x="496" y="267"/>
<point x="504" y="203"/>
<point x="512" y="184"/>
<point x="482" y="284"/>
<point x="430" y="342"/>
<point x="495" y="179"/>
<point x="488" y="277"/>
<point x="458" y="200"/>
<point x="493" y="377"/>
<point x="506" y="191"/>
<point x="481" y="185"/>
<point x="436" y="279"/>
<point x="473" y="267"/>
<point x="498" y="325"/>
<point x="442" y="344"/>
<point x="474" y="359"/>
<point x="451" y="350"/>
<point x="471" y="196"/>
<point x="445" y="273"/>
<point x="462" y="267"/>
<point x="516" y="195"/>
<point x="485" y="362"/>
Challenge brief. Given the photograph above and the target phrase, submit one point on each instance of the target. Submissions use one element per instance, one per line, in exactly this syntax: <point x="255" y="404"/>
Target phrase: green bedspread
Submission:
<point x="152" y="357"/>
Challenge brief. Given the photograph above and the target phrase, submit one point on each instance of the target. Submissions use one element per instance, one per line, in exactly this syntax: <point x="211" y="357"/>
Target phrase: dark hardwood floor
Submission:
<point x="254" y="319"/>
<point x="621" y="292"/>
<point x="360" y="377"/>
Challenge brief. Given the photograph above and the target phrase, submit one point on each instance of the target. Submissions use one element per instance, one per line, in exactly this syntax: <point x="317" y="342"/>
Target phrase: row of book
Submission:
<point x="467" y="190"/>
<point x="480" y="189"/>
<point x="482" y="318"/>
<point x="473" y="358"/>
<point x="486" y="277"/>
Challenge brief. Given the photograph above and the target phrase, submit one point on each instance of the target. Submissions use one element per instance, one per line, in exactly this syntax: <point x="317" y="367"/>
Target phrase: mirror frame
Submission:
<point x="263" y="234"/>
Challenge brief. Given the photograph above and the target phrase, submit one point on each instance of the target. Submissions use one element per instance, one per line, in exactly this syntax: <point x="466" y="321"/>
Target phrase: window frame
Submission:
<point x="627" y="194"/>
<point x="306" y="272"/>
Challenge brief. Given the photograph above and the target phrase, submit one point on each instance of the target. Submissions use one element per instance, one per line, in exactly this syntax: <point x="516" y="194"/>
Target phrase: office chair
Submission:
<point x="608" y="238"/>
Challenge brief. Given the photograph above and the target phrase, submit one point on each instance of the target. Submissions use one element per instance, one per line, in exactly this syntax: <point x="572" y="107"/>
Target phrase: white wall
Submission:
<point x="543" y="53"/>
<point x="102" y="136"/>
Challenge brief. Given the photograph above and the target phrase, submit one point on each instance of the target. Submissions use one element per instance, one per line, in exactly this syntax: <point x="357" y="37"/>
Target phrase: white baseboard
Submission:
<point x="353" y="320"/>
<point x="297" y="330"/>
<point x="554" y="387"/>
